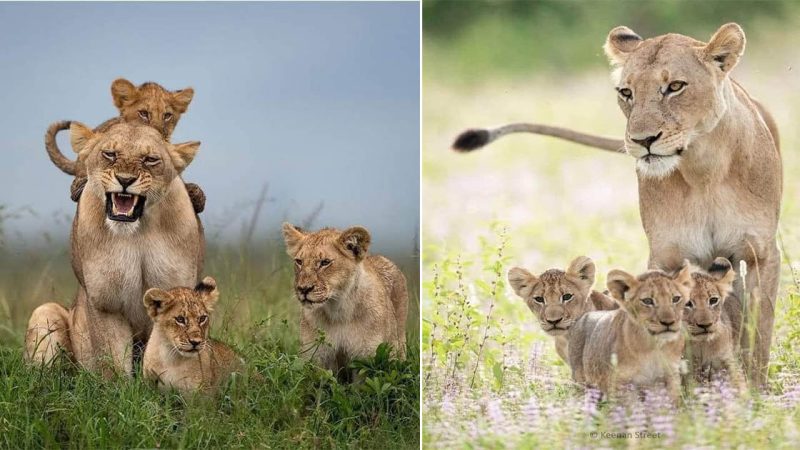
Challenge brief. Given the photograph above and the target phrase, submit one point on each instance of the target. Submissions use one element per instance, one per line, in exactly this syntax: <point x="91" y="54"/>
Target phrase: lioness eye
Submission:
<point x="676" y="86"/>
<point x="625" y="93"/>
<point x="648" y="301"/>
<point x="538" y="299"/>
<point x="202" y="319"/>
<point x="676" y="299"/>
<point x="151" y="160"/>
<point x="690" y="304"/>
<point x="181" y="320"/>
<point x="144" y="114"/>
<point x="298" y="262"/>
<point x="566" y="297"/>
<point x="167" y="117"/>
<point x="325" y="262"/>
<point x="713" y="301"/>
<point x="111" y="156"/>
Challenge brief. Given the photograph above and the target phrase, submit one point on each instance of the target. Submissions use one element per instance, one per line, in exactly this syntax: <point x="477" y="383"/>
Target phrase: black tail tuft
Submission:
<point x="471" y="140"/>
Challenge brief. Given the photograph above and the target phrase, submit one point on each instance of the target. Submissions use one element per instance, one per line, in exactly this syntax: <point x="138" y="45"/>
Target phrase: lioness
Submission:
<point x="134" y="229"/>
<point x="558" y="298"/>
<point x="358" y="300"/>
<point x="639" y="343"/>
<point x="149" y="104"/>
<point x="707" y="160"/>
<point x="180" y="354"/>
<point x="711" y="328"/>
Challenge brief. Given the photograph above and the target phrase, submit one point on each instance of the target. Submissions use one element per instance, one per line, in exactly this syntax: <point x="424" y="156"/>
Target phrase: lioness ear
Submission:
<point x="621" y="41"/>
<point x="684" y="275"/>
<point x="582" y="268"/>
<point x="521" y="281"/>
<point x="293" y="237"/>
<point x="208" y="289"/>
<point x="355" y="240"/>
<point x="619" y="282"/>
<point x="181" y="99"/>
<point x="123" y="92"/>
<point x="183" y="154"/>
<point x="722" y="271"/>
<point x="156" y="301"/>
<point x="726" y="47"/>
<point x="79" y="135"/>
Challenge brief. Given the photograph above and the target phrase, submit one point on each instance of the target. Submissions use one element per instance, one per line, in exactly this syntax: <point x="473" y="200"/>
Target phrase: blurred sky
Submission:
<point x="320" y="100"/>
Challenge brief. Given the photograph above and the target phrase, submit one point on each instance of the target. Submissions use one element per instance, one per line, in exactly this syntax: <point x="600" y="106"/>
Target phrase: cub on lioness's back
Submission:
<point x="558" y="298"/>
<point x="180" y="354"/>
<point x="641" y="342"/>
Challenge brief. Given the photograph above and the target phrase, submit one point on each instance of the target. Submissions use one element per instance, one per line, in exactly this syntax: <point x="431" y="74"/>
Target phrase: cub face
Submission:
<point x="557" y="298"/>
<point x="325" y="262"/>
<point x="654" y="299"/>
<point x="182" y="314"/>
<point x="129" y="167"/>
<point x="150" y="104"/>
<point x="704" y="308"/>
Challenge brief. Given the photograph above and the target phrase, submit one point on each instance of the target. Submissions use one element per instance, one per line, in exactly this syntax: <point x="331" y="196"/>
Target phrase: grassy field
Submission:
<point x="296" y="405"/>
<point x="491" y="377"/>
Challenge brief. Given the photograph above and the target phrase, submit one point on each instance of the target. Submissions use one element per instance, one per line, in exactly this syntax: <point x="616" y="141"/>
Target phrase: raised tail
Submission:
<point x="474" y="139"/>
<point x="62" y="162"/>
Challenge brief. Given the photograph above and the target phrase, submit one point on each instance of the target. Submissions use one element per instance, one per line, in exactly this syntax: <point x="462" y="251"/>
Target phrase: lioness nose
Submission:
<point x="667" y="323"/>
<point x="553" y="321"/>
<point x="648" y="141"/>
<point x="125" y="181"/>
<point x="305" y="289"/>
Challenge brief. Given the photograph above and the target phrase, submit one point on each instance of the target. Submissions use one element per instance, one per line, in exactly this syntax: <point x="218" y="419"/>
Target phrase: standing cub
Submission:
<point x="711" y="344"/>
<point x="639" y="343"/>
<point x="179" y="353"/>
<point x="559" y="298"/>
<point x="358" y="300"/>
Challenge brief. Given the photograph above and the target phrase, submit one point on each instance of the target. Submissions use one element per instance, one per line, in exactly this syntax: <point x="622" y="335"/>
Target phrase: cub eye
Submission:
<point x="167" y="117"/>
<point x="298" y="262"/>
<point x="202" y="319"/>
<point x="181" y="320"/>
<point x="325" y="263"/>
<point x="689" y="304"/>
<point x="538" y="299"/>
<point x="566" y="297"/>
<point x="713" y="301"/>
<point x="625" y="93"/>
<point x="648" y="301"/>
<point x="111" y="156"/>
<point x="675" y="86"/>
<point x="676" y="299"/>
<point x="151" y="160"/>
<point x="144" y="115"/>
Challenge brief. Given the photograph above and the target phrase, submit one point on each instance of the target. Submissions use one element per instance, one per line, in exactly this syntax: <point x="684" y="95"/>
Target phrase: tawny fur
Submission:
<point x="546" y="297"/>
<point x="641" y="342"/>
<point x="358" y="300"/>
<point x="47" y="334"/>
<point x="115" y="262"/>
<point x="180" y="355"/>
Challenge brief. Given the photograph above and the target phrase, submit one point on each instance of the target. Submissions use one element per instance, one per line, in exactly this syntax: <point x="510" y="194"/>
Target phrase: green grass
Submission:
<point x="296" y="405"/>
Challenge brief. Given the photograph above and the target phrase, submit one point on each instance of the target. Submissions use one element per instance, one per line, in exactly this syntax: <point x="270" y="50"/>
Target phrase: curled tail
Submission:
<point x="476" y="138"/>
<point x="62" y="162"/>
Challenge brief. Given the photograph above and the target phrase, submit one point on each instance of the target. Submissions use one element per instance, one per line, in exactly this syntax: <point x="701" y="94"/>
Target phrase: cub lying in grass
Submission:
<point x="639" y="343"/>
<point x="707" y="316"/>
<point x="179" y="353"/>
<point x="558" y="298"/>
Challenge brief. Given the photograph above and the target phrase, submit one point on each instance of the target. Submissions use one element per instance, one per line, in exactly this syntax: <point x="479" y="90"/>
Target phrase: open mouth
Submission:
<point x="122" y="207"/>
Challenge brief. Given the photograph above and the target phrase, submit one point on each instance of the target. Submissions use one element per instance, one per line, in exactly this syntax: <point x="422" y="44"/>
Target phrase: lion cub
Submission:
<point x="711" y="345"/>
<point x="639" y="343"/>
<point x="558" y="298"/>
<point x="179" y="353"/>
<point x="358" y="300"/>
<point x="149" y="104"/>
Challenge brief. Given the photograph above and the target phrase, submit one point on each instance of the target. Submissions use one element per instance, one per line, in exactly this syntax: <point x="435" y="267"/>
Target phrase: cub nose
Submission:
<point x="554" y="321"/>
<point x="667" y="323"/>
<point x="305" y="290"/>
<point x="194" y="342"/>
<point x="648" y="141"/>
<point x="125" y="181"/>
<point x="704" y="326"/>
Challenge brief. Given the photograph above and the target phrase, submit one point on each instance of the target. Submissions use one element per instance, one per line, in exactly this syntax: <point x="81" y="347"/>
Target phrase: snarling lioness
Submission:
<point x="707" y="160"/>
<point x="358" y="300"/>
<point x="134" y="229"/>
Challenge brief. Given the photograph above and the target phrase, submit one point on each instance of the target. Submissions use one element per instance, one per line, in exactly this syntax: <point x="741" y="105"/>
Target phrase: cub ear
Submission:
<point x="521" y="281"/>
<point x="726" y="47"/>
<point x="183" y="154"/>
<point x="208" y="289"/>
<point x="722" y="271"/>
<point x="684" y="274"/>
<point x="181" y="99"/>
<point x="156" y="301"/>
<point x="621" y="41"/>
<point x="123" y="92"/>
<point x="582" y="268"/>
<point x="293" y="237"/>
<point x="602" y="302"/>
<point x="619" y="282"/>
<point x="79" y="135"/>
<point x="355" y="240"/>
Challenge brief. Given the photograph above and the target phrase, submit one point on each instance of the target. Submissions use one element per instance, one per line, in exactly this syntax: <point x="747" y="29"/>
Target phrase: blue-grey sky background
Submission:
<point x="320" y="100"/>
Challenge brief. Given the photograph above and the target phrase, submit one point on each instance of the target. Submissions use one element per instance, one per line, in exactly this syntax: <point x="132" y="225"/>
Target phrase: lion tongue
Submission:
<point x="123" y="203"/>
